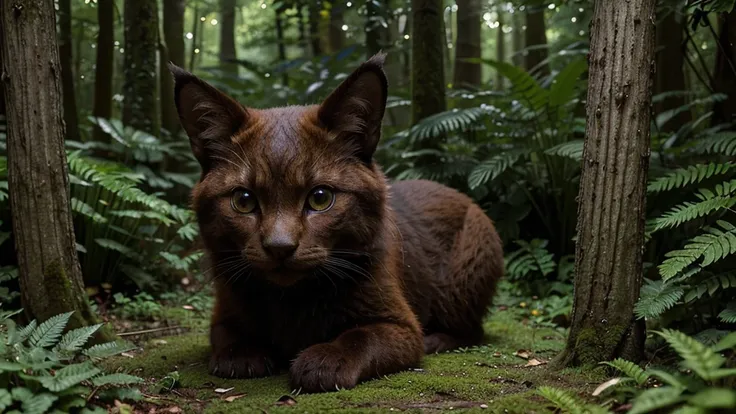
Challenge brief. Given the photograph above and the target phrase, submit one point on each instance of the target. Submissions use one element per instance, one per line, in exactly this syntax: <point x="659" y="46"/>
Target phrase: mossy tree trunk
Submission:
<point x="467" y="43"/>
<point x="670" y="65"/>
<point x="67" y="73"/>
<point x="335" y="34"/>
<point x="228" y="53"/>
<point x="140" y="109"/>
<point x="104" y="65"/>
<point x="610" y="227"/>
<point x="427" y="67"/>
<point x="50" y="275"/>
<point x="535" y="38"/>
<point x="171" y="50"/>
<point x="724" y="72"/>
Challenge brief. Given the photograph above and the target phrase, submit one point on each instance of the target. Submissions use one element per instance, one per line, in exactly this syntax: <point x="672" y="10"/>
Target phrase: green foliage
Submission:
<point x="630" y="369"/>
<point x="714" y="244"/>
<point x="44" y="371"/>
<point x="141" y="307"/>
<point x="566" y="403"/>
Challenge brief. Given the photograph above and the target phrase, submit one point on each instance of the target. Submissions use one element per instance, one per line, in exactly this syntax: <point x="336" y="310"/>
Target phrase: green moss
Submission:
<point x="464" y="380"/>
<point x="589" y="348"/>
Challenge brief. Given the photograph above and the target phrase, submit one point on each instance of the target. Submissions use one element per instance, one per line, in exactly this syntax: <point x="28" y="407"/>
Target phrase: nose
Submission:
<point x="280" y="248"/>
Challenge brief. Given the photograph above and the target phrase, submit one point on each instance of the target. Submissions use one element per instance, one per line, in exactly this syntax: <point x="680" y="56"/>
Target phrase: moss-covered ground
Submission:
<point x="501" y="376"/>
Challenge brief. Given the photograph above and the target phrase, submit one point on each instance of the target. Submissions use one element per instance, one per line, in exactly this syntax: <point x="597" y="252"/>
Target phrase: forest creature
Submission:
<point x="320" y="266"/>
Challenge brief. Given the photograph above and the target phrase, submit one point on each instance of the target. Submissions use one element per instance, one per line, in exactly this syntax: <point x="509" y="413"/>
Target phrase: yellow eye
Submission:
<point x="320" y="199"/>
<point x="243" y="201"/>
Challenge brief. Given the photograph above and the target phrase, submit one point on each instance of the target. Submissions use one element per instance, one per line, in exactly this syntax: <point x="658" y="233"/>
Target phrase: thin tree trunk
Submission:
<point x="67" y="73"/>
<point x="104" y="65"/>
<point x="140" y="109"/>
<point x="50" y="275"/>
<point x="315" y="39"/>
<point x="228" y="53"/>
<point x="517" y="39"/>
<point x="670" y="67"/>
<point x="500" y="49"/>
<point x="172" y="50"/>
<point x="302" y="26"/>
<point x="724" y="72"/>
<point x="468" y="43"/>
<point x="280" y="41"/>
<point x="195" y="37"/>
<point x="427" y="67"/>
<point x="376" y="26"/>
<point x="335" y="33"/>
<point x="536" y="41"/>
<point x="610" y="228"/>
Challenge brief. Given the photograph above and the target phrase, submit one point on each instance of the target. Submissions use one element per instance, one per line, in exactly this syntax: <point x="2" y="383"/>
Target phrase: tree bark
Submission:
<point x="171" y="50"/>
<point x="67" y="73"/>
<point x="104" y="65"/>
<point x="50" y="275"/>
<point x="724" y="72"/>
<point x="670" y="67"/>
<point x="536" y="41"/>
<point x="335" y="33"/>
<point x="281" y="41"/>
<point x="468" y="43"/>
<point x="517" y="39"/>
<point x="610" y="228"/>
<point x="140" y="109"/>
<point x="500" y="50"/>
<point x="315" y="7"/>
<point x="427" y="67"/>
<point x="196" y="24"/>
<point x="228" y="52"/>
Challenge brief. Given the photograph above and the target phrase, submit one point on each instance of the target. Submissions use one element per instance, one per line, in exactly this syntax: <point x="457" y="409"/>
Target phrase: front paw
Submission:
<point x="240" y="363"/>
<point x="324" y="367"/>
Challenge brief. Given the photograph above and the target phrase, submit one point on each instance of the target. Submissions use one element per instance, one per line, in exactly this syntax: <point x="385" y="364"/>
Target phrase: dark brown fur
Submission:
<point x="380" y="278"/>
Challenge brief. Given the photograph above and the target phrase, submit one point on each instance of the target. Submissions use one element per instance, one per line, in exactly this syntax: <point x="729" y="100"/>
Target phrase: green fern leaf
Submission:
<point x="49" y="332"/>
<point x="727" y="342"/>
<point x="718" y="143"/>
<point x="690" y="175"/>
<point x="630" y="369"/>
<point x="714" y="398"/>
<point x="26" y="331"/>
<point x="697" y="357"/>
<point x="564" y="84"/>
<point x="108" y="349"/>
<point x="711" y="286"/>
<point x="6" y="400"/>
<point x="571" y="149"/>
<point x="711" y="246"/>
<point x="689" y="409"/>
<point x="39" y="404"/>
<point x="443" y="123"/>
<point x="667" y="378"/>
<point x="491" y="168"/>
<point x="723" y="199"/>
<point x="728" y="315"/>
<point x="116" y="379"/>
<point x="87" y="211"/>
<point x="523" y="85"/>
<point x="531" y="257"/>
<point x="561" y="399"/>
<point x="657" y="297"/>
<point x="69" y="376"/>
<point x="656" y="398"/>
<point x="73" y="340"/>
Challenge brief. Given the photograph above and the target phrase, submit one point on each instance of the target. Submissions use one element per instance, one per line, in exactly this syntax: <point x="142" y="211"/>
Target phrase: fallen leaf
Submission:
<point x="523" y="354"/>
<point x="286" y="400"/>
<point x="159" y="342"/>
<point x="126" y="354"/>
<point x="234" y="397"/>
<point x="496" y="354"/>
<point x="608" y="384"/>
<point x="188" y="307"/>
<point x="174" y="409"/>
<point x="224" y="390"/>
<point x="534" y="362"/>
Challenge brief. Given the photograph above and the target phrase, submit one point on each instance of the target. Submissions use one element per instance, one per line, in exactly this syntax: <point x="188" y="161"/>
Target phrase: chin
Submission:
<point x="285" y="277"/>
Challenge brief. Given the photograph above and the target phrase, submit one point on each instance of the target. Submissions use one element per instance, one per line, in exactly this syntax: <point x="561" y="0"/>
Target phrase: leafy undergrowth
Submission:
<point x="501" y="376"/>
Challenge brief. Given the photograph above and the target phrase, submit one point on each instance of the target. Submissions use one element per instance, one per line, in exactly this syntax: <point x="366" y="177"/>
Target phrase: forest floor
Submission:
<point x="501" y="376"/>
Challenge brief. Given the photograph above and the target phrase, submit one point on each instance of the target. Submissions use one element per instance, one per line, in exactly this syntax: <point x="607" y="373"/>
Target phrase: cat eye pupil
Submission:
<point x="320" y="199"/>
<point x="243" y="202"/>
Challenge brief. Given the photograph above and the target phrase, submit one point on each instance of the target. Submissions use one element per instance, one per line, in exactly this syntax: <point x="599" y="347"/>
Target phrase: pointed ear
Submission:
<point x="206" y="114"/>
<point x="354" y="110"/>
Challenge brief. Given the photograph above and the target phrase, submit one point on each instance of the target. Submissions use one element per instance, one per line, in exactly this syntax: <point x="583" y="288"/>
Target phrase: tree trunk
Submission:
<point x="104" y="65"/>
<point x="302" y="26"/>
<point x="376" y="26"/>
<point x="227" y="37"/>
<point x="281" y="41"/>
<point x="724" y="73"/>
<point x="196" y="24"/>
<point x="67" y="73"/>
<point x="50" y="275"/>
<point x="141" y="71"/>
<point x="517" y="39"/>
<point x="335" y="32"/>
<point x="314" y="18"/>
<point x="171" y="50"/>
<point x="500" y="50"/>
<point x="536" y="41"/>
<point x="610" y="228"/>
<point x="427" y="67"/>
<point x="468" y="43"/>
<point x="670" y="67"/>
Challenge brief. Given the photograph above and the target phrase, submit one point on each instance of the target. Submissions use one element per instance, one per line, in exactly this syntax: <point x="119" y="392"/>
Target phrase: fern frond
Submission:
<point x="491" y="168"/>
<point x="656" y="297"/>
<point x="714" y="399"/>
<point x="531" y="257"/>
<point x="39" y="404"/>
<point x="697" y="357"/>
<point x="711" y="246"/>
<point x="454" y="120"/>
<point x="69" y="376"/>
<point x="723" y="198"/>
<point x="630" y="369"/>
<point x="727" y="342"/>
<point x="80" y="207"/>
<point x="690" y="175"/>
<point x="561" y="399"/>
<point x="75" y="339"/>
<point x="728" y="315"/>
<point x="523" y="85"/>
<point x="656" y="398"/>
<point x="571" y="149"/>
<point x="711" y="285"/>
<point x="116" y="379"/>
<point x="49" y="332"/>
<point x="108" y="349"/>
<point x="719" y="143"/>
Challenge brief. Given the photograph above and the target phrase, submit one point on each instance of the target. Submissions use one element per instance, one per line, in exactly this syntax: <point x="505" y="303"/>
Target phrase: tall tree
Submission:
<point x="228" y="53"/>
<point x="517" y="38"/>
<point x="104" y="64"/>
<point x="670" y="65"/>
<point x="427" y="67"/>
<point x="535" y="38"/>
<point x="335" y="33"/>
<point x="376" y="26"/>
<point x="50" y="275"/>
<point x="140" y="109"/>
<point x="315" y="7"/>
<point x="724" y="72"/>
<point x="280" y="39"/>
<point x="67" y="73"/>
<point x="468" y="43"/>
<point x="610" y="228"/>
<point x="172" y="49"/>
<point x="500" y="49"/>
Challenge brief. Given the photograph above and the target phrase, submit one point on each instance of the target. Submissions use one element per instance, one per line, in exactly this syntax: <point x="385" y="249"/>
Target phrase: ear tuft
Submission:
<point x="206" y="114"/>
<point x="354" y="111"/>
